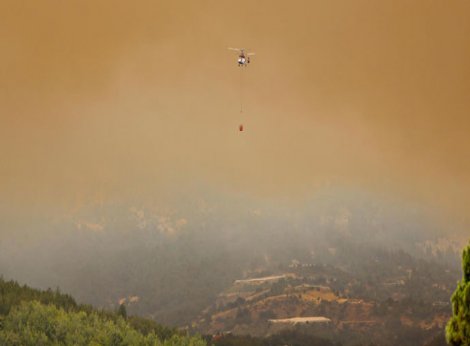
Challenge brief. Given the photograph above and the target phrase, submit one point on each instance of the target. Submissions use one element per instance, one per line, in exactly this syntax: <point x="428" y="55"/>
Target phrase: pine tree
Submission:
<point x="458" y="327"/>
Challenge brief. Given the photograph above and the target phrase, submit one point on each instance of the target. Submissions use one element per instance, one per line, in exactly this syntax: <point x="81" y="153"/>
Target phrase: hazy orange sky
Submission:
<point x="142" y="95"/>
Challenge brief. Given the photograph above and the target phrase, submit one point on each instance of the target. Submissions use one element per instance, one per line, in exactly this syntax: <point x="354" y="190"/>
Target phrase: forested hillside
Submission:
<point x="33" y="317"/>
<point x="367" y="267"/>
<point x="170" y="264"/>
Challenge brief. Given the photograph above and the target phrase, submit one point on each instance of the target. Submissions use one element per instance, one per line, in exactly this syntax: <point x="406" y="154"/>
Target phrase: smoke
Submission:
<point x="117" y="99"/>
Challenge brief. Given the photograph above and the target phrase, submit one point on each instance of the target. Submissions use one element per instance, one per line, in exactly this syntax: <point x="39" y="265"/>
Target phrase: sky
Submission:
<point x="142" y="98"/>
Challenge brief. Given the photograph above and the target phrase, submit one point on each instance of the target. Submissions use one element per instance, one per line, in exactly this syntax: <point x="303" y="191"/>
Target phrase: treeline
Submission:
<point x="33" y="317"/>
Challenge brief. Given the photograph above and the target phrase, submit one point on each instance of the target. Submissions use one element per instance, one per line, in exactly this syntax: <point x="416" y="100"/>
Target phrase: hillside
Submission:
<point x="384" y="297"/>
<point x="214" y="267"/>
<point x="171" y="263"/>
<point x="33" y="317"/>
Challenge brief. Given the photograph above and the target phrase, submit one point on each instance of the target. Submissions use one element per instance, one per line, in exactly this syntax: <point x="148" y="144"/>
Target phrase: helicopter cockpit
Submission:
<point x="242" y="60"/>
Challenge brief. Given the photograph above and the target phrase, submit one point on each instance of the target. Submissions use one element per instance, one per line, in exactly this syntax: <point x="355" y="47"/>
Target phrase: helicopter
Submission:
<point x="243" y="58"/>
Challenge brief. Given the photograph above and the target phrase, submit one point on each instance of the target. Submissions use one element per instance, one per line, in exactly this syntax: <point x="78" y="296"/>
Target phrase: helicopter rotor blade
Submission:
<point x="251" y="54"/>
<point x="235" y="49"/>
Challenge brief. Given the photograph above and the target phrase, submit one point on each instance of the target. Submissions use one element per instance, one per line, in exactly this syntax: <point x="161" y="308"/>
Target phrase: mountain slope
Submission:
<point x="33" y="317"/>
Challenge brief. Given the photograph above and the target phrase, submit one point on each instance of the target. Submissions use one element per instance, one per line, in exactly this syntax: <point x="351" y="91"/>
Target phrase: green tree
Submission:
<point x="458" y="327"/>
<point x="122" y="311"/>
<point x="33" y="324"/>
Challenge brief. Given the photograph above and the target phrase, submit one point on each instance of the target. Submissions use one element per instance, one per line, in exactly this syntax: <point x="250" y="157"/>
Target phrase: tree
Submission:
<point x="122" y="311"/>
<point x="32" y="324"/>
<point x="458" y="327"/>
